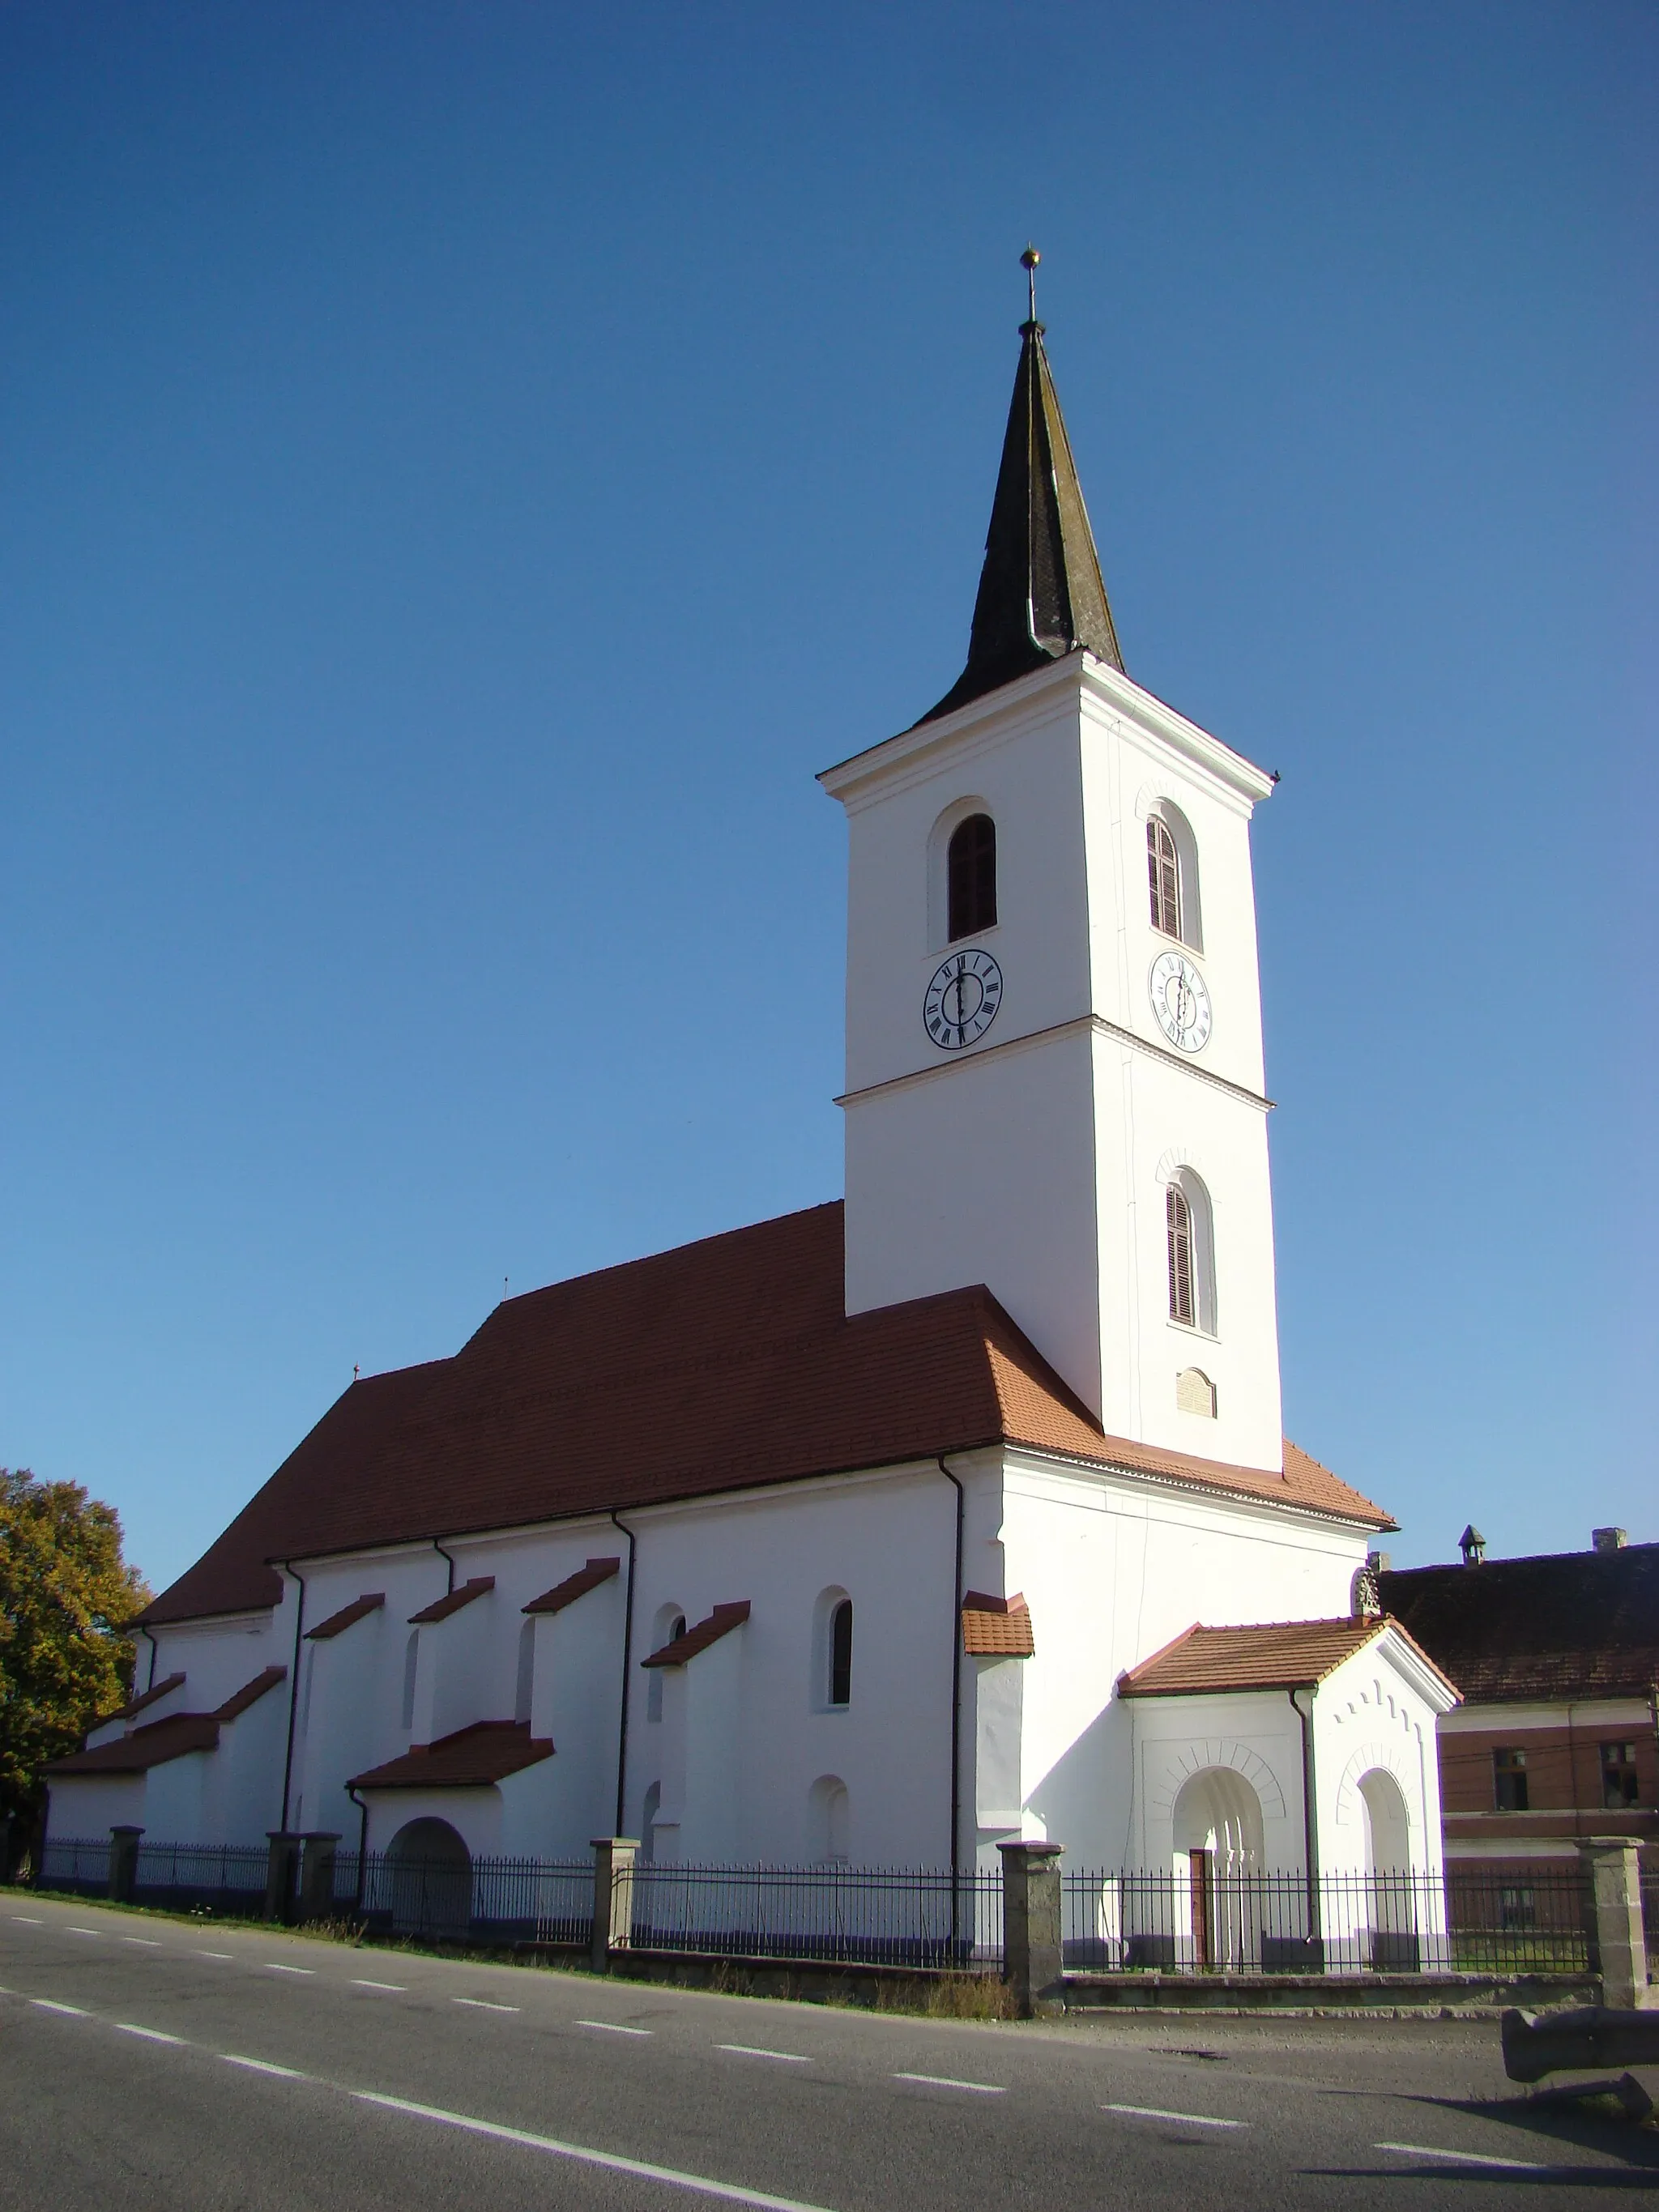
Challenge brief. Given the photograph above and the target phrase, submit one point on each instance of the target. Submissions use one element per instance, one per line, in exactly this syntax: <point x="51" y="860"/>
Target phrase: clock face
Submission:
<point x="1180" y="1001"/>
<point x="961" y="1000"/>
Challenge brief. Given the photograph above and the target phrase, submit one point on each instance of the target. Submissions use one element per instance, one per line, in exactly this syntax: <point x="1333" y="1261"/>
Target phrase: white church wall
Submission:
<point x="216" y="1657"/>
<point x="86" y="1807"/>
<point x="984" y="1173"/>
<point x="1113" y="1570"/>
<point x="1170" y="1123"/>
<point x="1255" y="1737"/>
<point x="1376" y="1716"/>
<point x="890" y="1542"/>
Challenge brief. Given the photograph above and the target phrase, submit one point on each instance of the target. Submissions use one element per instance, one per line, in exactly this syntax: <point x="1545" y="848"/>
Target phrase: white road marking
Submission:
<point x="749" y="2051"/>
<point x="615" y="2028"/>
<point x="147" y="1942"/>
<point x="1470" y="2157"/>
<point x="149" y="2034"/>
<point x="482" y="2005"/>
<point x="271" y="1966"/>
<point x="730" y="2192"/>
<point x="1155" y="2112"/>
<point x="27" y="1920"/>
<point x="397" y="1988"/>
<point x="216" y="1954"/>
<point x="85" y="1932"/>
<point x="944" y="2081"/>
<point x="601" y="2158"/>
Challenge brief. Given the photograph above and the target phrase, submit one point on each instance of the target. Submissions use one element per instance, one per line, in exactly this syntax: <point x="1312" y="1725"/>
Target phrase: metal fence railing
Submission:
<point x="1207" y="1917"/>
<point x="77" y="1864"/>
<point x="494" y="1900"/>
<point x="228" y="1878"/>
<point x="876" y="1915"/>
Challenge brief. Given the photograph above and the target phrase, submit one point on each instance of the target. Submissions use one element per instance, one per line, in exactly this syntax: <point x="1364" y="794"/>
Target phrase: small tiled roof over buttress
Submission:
<point x="719" y="1366"/>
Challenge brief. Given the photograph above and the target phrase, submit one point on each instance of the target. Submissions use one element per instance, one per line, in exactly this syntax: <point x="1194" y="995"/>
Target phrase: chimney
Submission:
<point x="1473" y="1546"/>
<point x="1607" y="1539"/>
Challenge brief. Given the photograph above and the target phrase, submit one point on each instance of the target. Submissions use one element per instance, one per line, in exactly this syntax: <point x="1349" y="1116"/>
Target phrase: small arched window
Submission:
<point x="1178" y="1219"/>
<point x="971" y="877"/>
<point x="841" y="1654"/>
<point x="1163" y="875"/>
<point x="1191" y="1245"/>
<point x="671" y="1627"/>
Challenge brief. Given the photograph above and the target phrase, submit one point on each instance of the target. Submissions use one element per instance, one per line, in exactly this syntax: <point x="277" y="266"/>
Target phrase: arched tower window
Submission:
<point x="971" y="877"/>
<point x="1191" y="1251"/>
<point x="1163" y="875"/>
<point x="841" y="1654"/>
<point x="1178" y="1217"/>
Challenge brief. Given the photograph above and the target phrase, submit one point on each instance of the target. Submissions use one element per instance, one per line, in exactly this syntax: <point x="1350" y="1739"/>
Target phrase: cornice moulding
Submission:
<point x="1106" y="694"/>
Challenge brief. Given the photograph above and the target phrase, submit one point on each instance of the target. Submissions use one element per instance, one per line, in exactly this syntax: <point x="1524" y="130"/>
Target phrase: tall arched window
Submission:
<point x="671" y="1627"/>
<point x="411" y="1662"/>
<point x="1191" y="1245"/>
<point x="524" y="1687"/>
<point x="841" y="1654"/>
<point x="971" y="877"/>
<point x="1178" y="1219"/>
<point x="1163" y="875"/>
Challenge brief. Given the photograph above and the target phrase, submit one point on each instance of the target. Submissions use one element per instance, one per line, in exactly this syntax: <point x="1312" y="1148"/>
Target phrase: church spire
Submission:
<point x="1041" y="594"/>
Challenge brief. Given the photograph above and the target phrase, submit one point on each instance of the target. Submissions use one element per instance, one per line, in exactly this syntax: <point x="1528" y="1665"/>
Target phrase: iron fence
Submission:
<point x="869" y="1915"/>
<point x="490" y="1900"/>
<point x="222" y="1878"/>
<point x="1207" y="1917"/>
<point x="77" y="1864"/>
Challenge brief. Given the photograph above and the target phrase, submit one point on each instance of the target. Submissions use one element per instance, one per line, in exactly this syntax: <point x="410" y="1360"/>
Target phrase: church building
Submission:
<point x="955" y="1512"/>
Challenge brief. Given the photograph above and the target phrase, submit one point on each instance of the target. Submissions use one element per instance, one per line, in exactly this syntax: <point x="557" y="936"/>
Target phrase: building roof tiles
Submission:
<point x="469" y="1758"/>
<point x="719" y="1366"/>
<point x="1562" y="1625"/>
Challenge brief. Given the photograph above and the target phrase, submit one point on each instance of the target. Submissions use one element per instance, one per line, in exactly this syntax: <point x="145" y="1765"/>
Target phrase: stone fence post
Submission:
<point x="317" y="1874"/>
<point x="1617" y="1942"/>
<point x="282" y="1873"/>
<point x="613" y="1897"/>
<point x="123" y="1864"/>
<point x="1031" y="1957"/>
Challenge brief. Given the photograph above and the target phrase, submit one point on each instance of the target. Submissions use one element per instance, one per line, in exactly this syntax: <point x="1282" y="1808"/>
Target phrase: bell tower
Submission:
<point x="1053" y="1033"/>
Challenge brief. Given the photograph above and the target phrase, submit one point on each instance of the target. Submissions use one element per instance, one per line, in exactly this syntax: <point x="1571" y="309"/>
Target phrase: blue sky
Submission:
<point x="468" y="467"/>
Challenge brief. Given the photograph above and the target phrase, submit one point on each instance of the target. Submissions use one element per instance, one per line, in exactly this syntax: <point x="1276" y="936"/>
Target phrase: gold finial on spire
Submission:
<point x="1028" y="262"/>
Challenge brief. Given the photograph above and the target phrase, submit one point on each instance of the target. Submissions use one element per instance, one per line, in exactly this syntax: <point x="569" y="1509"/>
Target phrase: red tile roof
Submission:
<point x="152" y="1696"/>
<point x="1279" y="1655"/>
<point x="250" y="1694"/>
<point x="573" y="1586"/>
<point x="472" y="1757"/>
<point x="719" y="1366"/>
<point x="996" y="1627"/>
<point x="327" y="1631"/>
<point x="723" y="1619"/>
<point x="441" y="1607"/>
<point x="169" y="1739"/>
<point x="1537" y="1631"/>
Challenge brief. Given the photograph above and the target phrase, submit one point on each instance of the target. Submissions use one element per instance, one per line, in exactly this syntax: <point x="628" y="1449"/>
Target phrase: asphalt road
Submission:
<point x="150" y="2062"/>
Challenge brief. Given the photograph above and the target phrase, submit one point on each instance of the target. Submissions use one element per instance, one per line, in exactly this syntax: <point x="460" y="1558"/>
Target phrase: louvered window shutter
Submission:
<point x="1178" y="1216"/>
<point x="1163" y="877"/>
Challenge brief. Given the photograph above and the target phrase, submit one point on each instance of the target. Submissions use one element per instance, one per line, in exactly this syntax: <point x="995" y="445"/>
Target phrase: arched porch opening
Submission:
<point x="429" y="1879"/>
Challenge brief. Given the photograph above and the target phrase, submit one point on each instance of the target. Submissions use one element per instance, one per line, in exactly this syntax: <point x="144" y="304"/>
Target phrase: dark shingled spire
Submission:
<point x="1041" y="594"/>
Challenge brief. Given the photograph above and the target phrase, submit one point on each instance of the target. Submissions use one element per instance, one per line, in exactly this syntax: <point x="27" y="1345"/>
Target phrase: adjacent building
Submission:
<point x="1558" y="1734"/>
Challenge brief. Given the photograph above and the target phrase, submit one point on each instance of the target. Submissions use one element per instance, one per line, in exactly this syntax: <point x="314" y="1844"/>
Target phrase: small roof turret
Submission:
<point x="1041" y="592"/>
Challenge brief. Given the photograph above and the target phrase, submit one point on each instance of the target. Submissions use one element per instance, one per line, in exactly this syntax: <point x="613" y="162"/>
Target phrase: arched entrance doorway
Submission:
<point x="1218" y="1852"/>
<point x="429" y="1876"/>
<point x="1390" y="1895"/>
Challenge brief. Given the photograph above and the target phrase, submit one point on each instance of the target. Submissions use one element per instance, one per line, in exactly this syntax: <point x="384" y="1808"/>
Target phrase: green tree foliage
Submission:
<point x="66" y="1597"/>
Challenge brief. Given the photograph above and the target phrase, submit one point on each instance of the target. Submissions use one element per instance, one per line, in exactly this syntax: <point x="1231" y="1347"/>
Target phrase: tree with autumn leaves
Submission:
<point x="66" y="1599"/>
